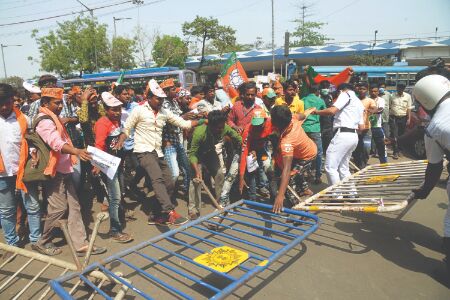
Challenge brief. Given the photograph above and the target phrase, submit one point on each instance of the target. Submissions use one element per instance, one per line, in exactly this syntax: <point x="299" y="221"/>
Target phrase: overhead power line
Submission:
<point x="68" y="14"/>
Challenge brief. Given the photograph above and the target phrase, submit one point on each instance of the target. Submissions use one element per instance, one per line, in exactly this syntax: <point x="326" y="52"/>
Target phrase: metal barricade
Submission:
<point x="205" y="258"/>
<point x="24" y="274"/>
<point x="375" y="189"/>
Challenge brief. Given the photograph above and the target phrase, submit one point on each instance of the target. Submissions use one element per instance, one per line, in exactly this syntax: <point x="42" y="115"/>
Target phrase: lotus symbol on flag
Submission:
<point x="235" y="78"/>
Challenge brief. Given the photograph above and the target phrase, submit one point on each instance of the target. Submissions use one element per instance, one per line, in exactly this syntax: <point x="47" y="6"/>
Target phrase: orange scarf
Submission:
<point x="54" y="155"/>
<point x="22" y="120"/>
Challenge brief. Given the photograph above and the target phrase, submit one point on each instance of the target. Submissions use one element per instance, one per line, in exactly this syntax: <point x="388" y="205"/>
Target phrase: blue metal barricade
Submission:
<point x="206" y="258"/>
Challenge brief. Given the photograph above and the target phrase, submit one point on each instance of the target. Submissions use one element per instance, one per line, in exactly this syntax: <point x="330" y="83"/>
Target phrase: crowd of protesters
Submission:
<point x="172" y="140"/>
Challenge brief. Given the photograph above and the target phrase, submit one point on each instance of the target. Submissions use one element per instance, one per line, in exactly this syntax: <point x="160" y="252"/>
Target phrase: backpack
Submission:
<point x="34" y="170"/>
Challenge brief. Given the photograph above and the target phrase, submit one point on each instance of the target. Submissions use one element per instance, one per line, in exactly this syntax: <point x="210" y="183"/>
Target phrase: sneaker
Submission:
<point x="217" y="210"/>
<point x="48" y="249"/>
<point x="264" y="192"/>
<point x="193" y="215"/>
<point x="121" y="237"/>
<point x="318" y="181"/>
<point x="129" y="215"/>
<point x="173" y="218"/>
<point x="307" y="192"/>
<point x="395" y="156"/>
<point x="155" y="220"/>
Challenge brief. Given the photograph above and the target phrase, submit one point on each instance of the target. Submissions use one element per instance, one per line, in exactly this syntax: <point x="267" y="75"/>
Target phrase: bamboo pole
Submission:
<point x="32" y="281"/>
<point x="15" y="274"/>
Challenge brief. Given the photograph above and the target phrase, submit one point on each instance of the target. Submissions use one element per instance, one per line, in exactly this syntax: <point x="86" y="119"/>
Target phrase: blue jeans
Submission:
<point x="317" y="138"/>
<point x="230" y="178"/>
<point x="114" y="197"/>
<point x="378" y="138"/>
<point x="176" y="158"/>
<point x="8" y="210"/>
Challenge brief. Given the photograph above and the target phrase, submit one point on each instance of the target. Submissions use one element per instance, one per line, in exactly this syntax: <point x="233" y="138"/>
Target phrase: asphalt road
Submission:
<point x="351" y="256"/>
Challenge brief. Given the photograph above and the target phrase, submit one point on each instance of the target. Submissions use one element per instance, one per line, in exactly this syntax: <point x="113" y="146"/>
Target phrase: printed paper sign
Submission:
<point x="252" y="164"/>
<point x="106" y="162"/>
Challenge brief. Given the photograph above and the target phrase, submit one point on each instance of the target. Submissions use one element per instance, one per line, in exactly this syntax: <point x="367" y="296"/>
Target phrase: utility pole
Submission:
<point x="273" y="39"/>
<point x="3" y="56"/>
<point x="118" y="19"/>
<point x="91" y="11"/>
<point x="303" y="20"/>
<point x="375" y="39"/>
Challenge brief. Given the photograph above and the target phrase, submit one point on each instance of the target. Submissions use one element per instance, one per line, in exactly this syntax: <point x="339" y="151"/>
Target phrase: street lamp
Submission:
<point x="118" y="19"/>
<point x="3" y="56"/>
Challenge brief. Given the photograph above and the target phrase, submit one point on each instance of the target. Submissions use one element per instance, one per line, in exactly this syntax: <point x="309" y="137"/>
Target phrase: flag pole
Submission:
<point x="273" y="38"/>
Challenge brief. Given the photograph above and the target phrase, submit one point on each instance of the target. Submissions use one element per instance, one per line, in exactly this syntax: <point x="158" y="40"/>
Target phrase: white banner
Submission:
<point x="106" y="162"/>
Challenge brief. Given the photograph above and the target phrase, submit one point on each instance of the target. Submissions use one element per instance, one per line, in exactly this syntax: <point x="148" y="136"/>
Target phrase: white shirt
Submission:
<point x="437" y="133"/>
<point x="380" y="104"/>
<point x="148" y="127"/>
<point x="349" y="115"/>
<point x="10" y="140"/>
<point x="206" y="106"/>
<point x="400" y="104"/>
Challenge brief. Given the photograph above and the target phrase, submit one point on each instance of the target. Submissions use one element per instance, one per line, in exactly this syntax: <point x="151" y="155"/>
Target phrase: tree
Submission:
<point x="372" y="60"/>
<point x="72" y="47"/>
<point x="308" y="34"/>
<point x="170" y="50"/>
<point x="122" y="53"/>
<point x="15" y="81"/>
<point x="208" y="29"/>
<point x="144" y="44"/>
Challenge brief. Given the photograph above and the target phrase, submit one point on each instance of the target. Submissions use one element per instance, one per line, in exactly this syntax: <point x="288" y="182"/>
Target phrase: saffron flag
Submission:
<point x="233" y="75"/>
<point x="335" y="80"/>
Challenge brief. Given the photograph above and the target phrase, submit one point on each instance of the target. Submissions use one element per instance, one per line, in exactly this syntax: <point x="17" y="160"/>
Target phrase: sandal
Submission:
<point x="95" y="251"/>
<point x="121" y="237"/>
<point x="48" y="249"/>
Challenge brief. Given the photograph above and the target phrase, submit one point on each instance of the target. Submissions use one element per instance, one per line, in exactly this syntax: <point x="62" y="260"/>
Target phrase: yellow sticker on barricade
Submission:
<point x="222" y="259"/>
<point x="382" y="178"/>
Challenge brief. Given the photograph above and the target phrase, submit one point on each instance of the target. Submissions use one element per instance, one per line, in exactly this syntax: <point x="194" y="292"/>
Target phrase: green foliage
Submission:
<point x="70" y="48"/>
<point x="308" y="34"/>
<point x="222" y="38"/>
<point x="372" y="60"/>
<point x="122" y="53"/>
<point x="15" y="81"/>
<point x="169" y="51"/>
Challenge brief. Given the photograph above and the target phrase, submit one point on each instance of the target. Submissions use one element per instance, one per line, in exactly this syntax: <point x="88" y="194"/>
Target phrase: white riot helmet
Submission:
<point x="430" y="90"/>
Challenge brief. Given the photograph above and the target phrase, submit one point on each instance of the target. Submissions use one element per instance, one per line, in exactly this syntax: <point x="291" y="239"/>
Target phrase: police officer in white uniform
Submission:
<point x="433" y="93"/>
<point x="348" y="118"/>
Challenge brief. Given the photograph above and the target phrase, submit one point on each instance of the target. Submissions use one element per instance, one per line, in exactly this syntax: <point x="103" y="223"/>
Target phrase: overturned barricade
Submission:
<point x="207" y="258"/>
<point x="375" y="189"/>
<point x="25" y="274"/>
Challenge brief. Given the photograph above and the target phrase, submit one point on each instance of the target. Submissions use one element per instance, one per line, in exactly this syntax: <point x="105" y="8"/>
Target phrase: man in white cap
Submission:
<point x="433" y="94"/>
<point x="32" y="93"/>
<point x="107" y="131"/>
<point x="148" y="121"/>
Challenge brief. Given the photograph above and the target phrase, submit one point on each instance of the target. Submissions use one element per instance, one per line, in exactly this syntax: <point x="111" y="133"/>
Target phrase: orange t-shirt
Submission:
<point x="294" y="142"/>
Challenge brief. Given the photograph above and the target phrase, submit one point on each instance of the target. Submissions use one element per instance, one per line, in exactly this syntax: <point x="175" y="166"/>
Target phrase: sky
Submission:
<point x="346" y="20"/>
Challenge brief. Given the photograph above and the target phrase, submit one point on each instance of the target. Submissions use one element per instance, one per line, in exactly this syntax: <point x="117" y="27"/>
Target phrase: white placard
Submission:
<point x="252" y="164"/>
<point x="106" y="162"/>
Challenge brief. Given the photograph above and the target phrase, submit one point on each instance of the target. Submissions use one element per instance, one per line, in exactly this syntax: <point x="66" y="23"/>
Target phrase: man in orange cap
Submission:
<point x="174" y="151"/>
<point x="62" y="197"/>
